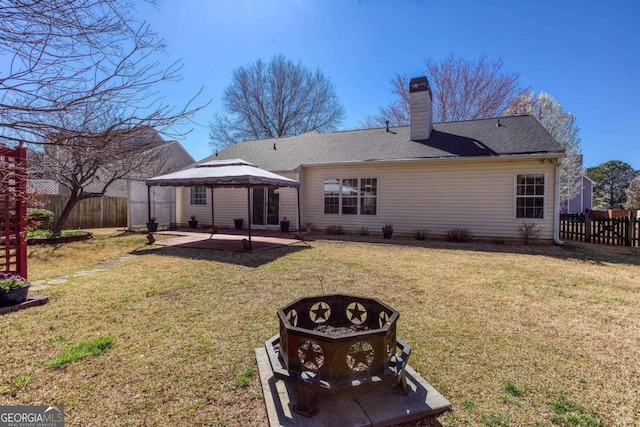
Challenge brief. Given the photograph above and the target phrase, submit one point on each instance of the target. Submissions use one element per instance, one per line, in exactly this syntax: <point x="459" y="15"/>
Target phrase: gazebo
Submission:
<point x="235" y="173"/>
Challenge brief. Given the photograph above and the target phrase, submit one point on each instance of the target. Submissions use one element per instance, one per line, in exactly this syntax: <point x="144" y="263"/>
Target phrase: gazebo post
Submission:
<point x="148" y="203"/>
<point x="298" y="191"/>
<point x="249" y="213"/>
<point x="213" y="222"/>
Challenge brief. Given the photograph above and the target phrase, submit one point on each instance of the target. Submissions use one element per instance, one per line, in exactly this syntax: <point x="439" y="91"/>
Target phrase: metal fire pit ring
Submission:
<point x="333" y="343"/>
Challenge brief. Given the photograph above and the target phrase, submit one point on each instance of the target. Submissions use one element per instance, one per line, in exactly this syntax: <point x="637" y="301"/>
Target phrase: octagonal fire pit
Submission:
<point x="332" y="343"/>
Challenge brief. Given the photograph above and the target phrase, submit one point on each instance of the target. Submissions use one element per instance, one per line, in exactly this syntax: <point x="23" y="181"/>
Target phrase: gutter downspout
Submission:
<point x="556" y="208"/>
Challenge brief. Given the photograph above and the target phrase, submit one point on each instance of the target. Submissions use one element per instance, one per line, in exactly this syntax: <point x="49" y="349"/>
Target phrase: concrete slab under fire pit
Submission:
<point x="369" y="407"/>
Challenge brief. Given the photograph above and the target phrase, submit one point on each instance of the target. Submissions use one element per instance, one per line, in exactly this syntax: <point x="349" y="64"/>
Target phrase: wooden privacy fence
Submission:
<point x="94" y="212"/>
<point x="594" y="227"/>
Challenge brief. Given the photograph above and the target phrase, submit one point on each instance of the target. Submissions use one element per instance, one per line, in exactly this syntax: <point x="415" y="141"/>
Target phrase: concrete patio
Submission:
<point x="227" y="239"/>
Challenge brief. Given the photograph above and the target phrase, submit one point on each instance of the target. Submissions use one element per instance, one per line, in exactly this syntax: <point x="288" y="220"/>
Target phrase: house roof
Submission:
<point x="232" y="173"/>
<point x="515" y="135"/>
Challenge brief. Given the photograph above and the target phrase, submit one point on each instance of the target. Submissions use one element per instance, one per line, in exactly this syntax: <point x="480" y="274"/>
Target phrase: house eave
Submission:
<point x="541" y="156"/>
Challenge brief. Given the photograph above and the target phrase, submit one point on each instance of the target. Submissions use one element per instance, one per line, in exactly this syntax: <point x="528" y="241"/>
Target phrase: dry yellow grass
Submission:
<point x="507" y="333"/>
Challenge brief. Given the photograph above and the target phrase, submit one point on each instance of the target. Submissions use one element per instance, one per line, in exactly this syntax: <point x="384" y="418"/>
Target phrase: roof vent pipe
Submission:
<point x="387" y="122"/>
<point x="274" y="146"/>
<point x="498" y="124"/>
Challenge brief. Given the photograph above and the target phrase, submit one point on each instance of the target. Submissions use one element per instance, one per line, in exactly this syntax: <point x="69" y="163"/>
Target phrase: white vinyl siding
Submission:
<point x="434" y="195"/>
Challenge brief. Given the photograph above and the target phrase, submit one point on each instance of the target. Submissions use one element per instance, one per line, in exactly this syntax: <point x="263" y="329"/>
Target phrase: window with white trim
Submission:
<point x="530" y="195"/>
<point x="198" y="195"/>
<point x="351" y="196"/>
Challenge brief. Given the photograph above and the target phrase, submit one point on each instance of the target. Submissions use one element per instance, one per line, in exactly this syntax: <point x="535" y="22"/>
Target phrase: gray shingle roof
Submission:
<point x="471" y="138"/>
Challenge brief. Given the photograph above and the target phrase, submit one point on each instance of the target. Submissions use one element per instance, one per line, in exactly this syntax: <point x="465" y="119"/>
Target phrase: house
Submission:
<point x="488" y="176"/>
<point x="161" y="157"/>
<point x="583" y="200"/>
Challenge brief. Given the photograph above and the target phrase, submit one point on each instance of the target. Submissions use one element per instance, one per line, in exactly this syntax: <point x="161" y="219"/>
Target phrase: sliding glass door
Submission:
<point x="265" y="209"/>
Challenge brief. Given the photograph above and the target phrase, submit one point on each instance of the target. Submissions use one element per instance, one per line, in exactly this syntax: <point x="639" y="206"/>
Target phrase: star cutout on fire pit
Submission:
<point x="311" y="355"/>
<point x="383" y="318"/>
<point x="356" y="313"/>
<point x="320" y="312"/>
<point x="360" y="356"/>
<point x="292" y="317"/>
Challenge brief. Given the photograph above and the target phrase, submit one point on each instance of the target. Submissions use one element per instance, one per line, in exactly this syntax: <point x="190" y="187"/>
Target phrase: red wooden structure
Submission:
<point x="13" y="210"/>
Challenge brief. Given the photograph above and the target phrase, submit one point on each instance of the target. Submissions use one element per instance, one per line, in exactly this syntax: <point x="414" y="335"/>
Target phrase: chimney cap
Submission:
<point x="419" y="84"/>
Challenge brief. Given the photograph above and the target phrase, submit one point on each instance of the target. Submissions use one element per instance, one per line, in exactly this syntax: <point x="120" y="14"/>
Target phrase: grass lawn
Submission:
<point x="512" y="335"/>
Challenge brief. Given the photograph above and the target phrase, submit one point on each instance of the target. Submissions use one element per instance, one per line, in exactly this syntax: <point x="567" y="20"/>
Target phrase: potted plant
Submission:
<point x="284" y="224"/>
<point x="152" y="225"/>
<point x="387" y="231"/>
<point x="13" y="289"/>
<point x="193" y="223"/>
<point x="238" y="223"/>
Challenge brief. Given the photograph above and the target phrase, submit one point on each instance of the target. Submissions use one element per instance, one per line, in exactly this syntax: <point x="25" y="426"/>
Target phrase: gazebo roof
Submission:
<point x="223" y="173"/>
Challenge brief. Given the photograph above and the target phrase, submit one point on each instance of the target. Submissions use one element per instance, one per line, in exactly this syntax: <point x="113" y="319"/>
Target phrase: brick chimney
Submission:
<point x="420" y="103"/>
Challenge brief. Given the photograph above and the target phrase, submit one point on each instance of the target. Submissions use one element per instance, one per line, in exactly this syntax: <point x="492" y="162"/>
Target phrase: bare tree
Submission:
<point x="561" y="125"/>
<point x="398" y="113"/>
<point x="62" y="55"/>
<point x="633" y="194"/>
<point x="88" y="165"/>
<point x="462" y="89"/>
<point x="278" y="98"/>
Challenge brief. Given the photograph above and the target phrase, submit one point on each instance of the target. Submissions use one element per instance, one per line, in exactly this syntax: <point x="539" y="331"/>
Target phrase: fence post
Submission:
<point x="587" y="226"/>
<point x="101" y="211"/>
<point x="627" y="231"/>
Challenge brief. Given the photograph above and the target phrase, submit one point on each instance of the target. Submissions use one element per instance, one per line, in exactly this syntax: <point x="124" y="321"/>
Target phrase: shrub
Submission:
<point x="528" y="232"/>
<point x="387" y="231"/>
<point x="39" y="219"/>
<point x="458" y="235"/>
<point x="364" y="231"/>
<point x="420" y="234"/>
<point x="334" y="230"/>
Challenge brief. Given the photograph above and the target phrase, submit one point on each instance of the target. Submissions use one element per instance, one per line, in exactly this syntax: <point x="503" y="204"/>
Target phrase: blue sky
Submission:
<point x="584" y="53"/>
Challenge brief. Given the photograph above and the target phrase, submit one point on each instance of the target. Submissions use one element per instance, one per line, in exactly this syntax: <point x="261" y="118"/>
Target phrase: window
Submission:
<point x="198" y="195"/>
<point x="368" y="196"/>
<point x="351" y="196"/>
<point x="331" y="196"/>
<point x="530" y="196"/>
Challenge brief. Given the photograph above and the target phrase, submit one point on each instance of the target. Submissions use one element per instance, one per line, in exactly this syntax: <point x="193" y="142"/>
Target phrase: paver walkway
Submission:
<point x="37" y="285"/>
<point x="184" y="238"/>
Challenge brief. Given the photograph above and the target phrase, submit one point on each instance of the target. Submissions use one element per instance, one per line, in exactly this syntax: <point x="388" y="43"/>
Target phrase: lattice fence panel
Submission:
<point x="13" y="210"/>
<point x="42" y="186"/>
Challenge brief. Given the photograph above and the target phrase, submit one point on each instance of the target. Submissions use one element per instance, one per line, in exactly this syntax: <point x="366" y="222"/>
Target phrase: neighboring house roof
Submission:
<point x="171" y="155"/>
<point x="517" y="135"/>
